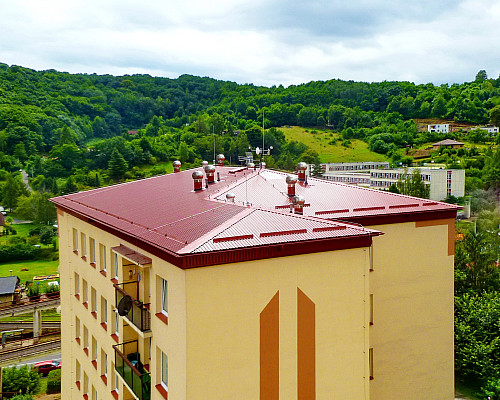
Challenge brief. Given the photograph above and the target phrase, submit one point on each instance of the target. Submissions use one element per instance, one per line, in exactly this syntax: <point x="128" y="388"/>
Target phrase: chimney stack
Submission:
<point x="301" y="170"/>
<point x="250" y="165"/>
<point x="220" y="160"/>
<point x="298" y="204"/>
<point x="210" y="171"/>
<point x="177" y="166"/>
<point x="291" y="181"/>
<point x="230" y="197"/>
<point x="198" y="180"/>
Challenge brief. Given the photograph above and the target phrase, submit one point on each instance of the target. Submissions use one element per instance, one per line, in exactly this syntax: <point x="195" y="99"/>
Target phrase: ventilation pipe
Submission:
<point x="210" y="171"/>
<point x="301" y="170"/>
<point x="198" y="180"/>
<point x="204" y="164"/>
<point x="250" y="165"/>
<point x="177" y="166"/>
<point x="298" y="204"/>
<point x="291" y="181"/>
<point x="220" y="160"/>
<point x="230" y="197"/>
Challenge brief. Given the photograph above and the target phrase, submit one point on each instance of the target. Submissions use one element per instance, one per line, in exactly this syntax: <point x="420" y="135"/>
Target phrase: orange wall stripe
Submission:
<point x="270" y="350"/>
<point x="451" y="231"/>
<point x="306" y="347"/>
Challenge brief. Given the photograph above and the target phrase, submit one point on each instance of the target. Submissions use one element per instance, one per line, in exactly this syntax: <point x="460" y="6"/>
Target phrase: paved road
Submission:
<point x="25" y="180"/>
<point x="56" y="355"/>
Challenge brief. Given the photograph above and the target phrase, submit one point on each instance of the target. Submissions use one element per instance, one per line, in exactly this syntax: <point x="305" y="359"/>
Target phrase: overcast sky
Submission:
<point x="264" y="42"/>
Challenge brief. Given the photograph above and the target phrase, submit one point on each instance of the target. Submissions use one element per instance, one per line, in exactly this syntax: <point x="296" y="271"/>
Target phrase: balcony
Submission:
<point x="130" y="368"/>
<point x="139" y="313"/>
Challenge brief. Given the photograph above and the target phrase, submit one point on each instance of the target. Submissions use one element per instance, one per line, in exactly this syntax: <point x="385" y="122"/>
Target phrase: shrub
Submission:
<point x="22" y="379"/>
<point x="33" y="290"/>
<point x="22" y="397"/>
<point x="54" y="381"/>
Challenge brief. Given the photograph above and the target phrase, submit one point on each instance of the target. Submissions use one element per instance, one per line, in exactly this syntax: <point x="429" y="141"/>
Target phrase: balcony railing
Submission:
<point x="128" y="365"/>
<point x="139" y="314"/>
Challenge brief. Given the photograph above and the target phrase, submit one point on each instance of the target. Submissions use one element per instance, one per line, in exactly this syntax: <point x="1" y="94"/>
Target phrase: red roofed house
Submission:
<point x="450" y="143"/>
<point x="234" y="291"/>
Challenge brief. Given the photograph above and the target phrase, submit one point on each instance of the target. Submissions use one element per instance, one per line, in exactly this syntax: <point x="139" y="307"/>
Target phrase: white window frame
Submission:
<point x="116" y="265"/>
<point x="164" y="374"/>
<point x="164" y="296"/>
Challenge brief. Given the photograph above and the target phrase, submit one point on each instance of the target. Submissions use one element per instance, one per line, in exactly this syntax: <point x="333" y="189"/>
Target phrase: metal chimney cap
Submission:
<point x="291" y="180"/>
<point x="298" y="200"/>
<point x="230" y="196"/>
<point x="301" y="166"/>
<point x="221" y="157"/>
<point x="251" y="165"/>
<point x="177" y="163"/>
<point x="197" y="175"/>
<point x="209" y="168"/>
<point x="204" y="164"/>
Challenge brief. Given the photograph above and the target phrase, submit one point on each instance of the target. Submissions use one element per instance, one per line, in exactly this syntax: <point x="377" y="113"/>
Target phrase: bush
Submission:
<point x="18" y="252"/>
<point x="22" y="379"/>
<point x="33" y="290"/>
<point x="54" y="381"/>
<point x="22" y="397"/>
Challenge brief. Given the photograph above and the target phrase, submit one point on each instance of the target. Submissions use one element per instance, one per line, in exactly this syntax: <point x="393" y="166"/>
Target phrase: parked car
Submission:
<point x="44" y="367"/>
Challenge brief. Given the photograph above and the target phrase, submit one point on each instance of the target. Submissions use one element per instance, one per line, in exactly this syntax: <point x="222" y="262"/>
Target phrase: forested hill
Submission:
<point x="58" y="125"/>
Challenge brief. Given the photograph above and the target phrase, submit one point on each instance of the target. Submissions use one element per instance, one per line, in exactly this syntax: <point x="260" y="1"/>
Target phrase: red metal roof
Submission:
<point x="166" y="214"/>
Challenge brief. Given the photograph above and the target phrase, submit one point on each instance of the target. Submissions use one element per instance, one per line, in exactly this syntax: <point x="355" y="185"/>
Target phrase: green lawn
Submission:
<point x="320" y="142"/>
<point x="47" y="316"/>
<point x="36" y="267"/>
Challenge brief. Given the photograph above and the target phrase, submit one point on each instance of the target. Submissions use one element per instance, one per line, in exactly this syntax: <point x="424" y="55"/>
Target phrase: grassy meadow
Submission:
<point x="329" y="146"/>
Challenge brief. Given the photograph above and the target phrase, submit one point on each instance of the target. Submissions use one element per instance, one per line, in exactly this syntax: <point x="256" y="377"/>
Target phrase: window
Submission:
<point x="104" y="363"/>
<point x="85" y="292"/>
<point x="77" y="286"/>
<point x="85" y="384"/>
<point x="371" y="309"/>
<point x="164" y="370"/>
<point x="92" y="250"/>
<point x="83" y="238"/>
<point x="86" y="340"/>
<point x="115" y="264"/>
<point x="116" y="381"/>
<point x="93" y="301"/>
<point x="117" y="323"/>
<point x="102" y="256"/>
<point x="75" y="241"/>
<point x="370" y="361"/>
<point x="104" y="311"/>
<point x="77" y="329"/>
<point x="164" y="296"/>
<point x="78" y="372"/>
<point x="94" y="352"/>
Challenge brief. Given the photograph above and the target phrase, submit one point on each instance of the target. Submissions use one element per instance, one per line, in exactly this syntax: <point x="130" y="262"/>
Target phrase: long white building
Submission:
<point x="442" y="182"/>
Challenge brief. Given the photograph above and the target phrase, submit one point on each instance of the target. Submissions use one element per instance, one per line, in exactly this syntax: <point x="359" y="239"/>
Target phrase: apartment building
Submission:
<point x="442" y="183"/>
<point x="354" y="166"/>
<point x="439" y="128"/>
<point x="257" y="285"/>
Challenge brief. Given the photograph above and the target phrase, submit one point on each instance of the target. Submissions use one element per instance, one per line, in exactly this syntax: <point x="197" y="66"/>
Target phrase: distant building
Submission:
<point x="442" y="182"/>
<point x="354" y="166"/>
<point x="449" y="143"/>
<point x="439" y="128"/>
<point x="489" y="128"/>
<point x="8" y="286"/>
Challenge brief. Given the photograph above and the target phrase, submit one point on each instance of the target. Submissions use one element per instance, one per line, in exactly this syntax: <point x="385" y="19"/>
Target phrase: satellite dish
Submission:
<point x="124" y="305"/>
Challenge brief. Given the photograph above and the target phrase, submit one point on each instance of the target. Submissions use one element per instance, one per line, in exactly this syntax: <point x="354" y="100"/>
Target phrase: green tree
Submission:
<point x="23" y="379"/>
<point x="117" y="165"/>
<point x="37" y="207"/>
<point x="481" y="76"/>
<point x="12" y="189"/>
<point x="317" y="170"/>
<point x="495" y="116"/>
<point x="411" y="184"/>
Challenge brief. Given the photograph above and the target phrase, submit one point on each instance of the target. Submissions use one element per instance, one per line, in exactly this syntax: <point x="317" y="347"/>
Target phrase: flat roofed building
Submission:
<point x="224" y="292"/>
<point x="440" y="128"/>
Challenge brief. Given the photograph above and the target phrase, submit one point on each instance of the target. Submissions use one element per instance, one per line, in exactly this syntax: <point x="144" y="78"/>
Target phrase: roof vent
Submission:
<point x="251" y="165"/>
<point x="204" y="164"/>
<point x="298" y="204"/>
<point x="220" y="160"/>
<point x="301" y="169"/>
<point x="230" y="197"/>
<point x="291" y="181"/>
<point x="210" y="171"/>
<point x="177" y="166"/>
<point x="263" y="165"/>
<point x="198" y="180"/>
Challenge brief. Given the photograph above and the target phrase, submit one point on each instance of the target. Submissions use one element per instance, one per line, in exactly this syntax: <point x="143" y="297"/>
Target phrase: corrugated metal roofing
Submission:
<point x="167" y="213"/>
